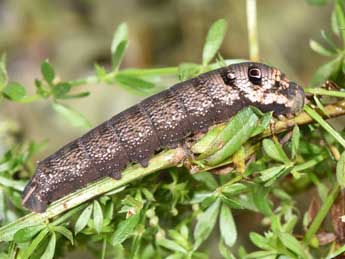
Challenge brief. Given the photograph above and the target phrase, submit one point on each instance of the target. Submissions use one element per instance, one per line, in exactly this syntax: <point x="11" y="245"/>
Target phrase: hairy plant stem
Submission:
<point x="163" y="160"/>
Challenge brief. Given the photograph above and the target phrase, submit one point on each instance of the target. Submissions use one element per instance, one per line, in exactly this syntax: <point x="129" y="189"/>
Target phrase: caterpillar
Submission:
<point x="161" y="121"/>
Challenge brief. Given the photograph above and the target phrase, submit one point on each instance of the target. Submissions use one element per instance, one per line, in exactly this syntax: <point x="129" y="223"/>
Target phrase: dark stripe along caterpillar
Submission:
<point x="161" y="121"/>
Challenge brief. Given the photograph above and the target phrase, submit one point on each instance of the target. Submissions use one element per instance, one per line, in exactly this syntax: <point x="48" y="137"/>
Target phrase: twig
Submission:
<point x="166" y="159"/>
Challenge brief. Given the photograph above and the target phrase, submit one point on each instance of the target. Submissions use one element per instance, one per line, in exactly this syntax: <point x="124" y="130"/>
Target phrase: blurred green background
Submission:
<point x="74" y="35"/>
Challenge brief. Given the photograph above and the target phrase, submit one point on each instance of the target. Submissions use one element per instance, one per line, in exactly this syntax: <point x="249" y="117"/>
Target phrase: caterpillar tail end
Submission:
<point x="32" y="201"/>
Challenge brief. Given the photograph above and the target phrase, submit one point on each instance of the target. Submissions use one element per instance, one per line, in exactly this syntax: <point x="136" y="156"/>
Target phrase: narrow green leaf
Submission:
<point x="2" y="206"/>
<point x="61" y="89"/>
<point x="289" y="226"/>
<point x="133" y="81"/>
<point x="214" y="40"/>
<point x="232" y="203"/>
<point x="15" y="184"/>
<point x="343" y="66"/>
<point x="83" y="219"/>
<point x="171" y="245"/>
<point x="324" y="124"/>
<point x="271" y="173"/>
<point x="238" y="131"/>
<point x="227" y="226"/>
<point x="75" y="96"/>
<point x="310" y="163"/>
<point x="119" y="44"/>
<point x="40" y="89"/>
<point x="199" y="197"/>
<point x="263" y="124"/>
<point x="100" y="72"/>
<point x="3" y="72"/>
<point x="292" y="244"/>
<point x="206" y="178"/>
<point x="264" y="255"/>
<point x="14" y="91"/>
<point x="261" y="201"/>
<point x="34" y="244"/>
<point x="205" y="223"/>
<point x="276" y="225"/>
<point x="148" y="194"/>
<point x="136" y="84"/>
<point x="125" y="229"/>
<point x="336" y="253"/>
<point x="74" y="117"/>
<point x="318" y="48"/>
<point x="50" y="250"/>
<point x="340" y="17"/>
<point x="65" y="232"/>
<point x="329" y="41"/>
<point x="224" y="251"/>
<point x="188" y="70"/>
<point x="236" y="123"/>
<point x="119" y="53"/>
<point x="341" y="171"/>
<point x="320" y="105"/>
<point x="275" y="151"/>
<point x="233" y="189"/>
<point x="178" y="237"/>
<point x="260" y="241"/>
<point x="334" y="23"/>
<point x="97" y="216"/>
<point x="321" y="214"/>
<point x="295" y="140"/>
<point x="326" y="71"/>
<point x="26" y="234"/>
<point x="47" y="71"/>
<point x="321" y="91"/>
<point x="202" y="145"/>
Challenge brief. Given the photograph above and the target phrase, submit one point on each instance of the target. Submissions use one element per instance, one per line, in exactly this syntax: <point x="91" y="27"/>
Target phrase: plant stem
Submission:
<point x="252" y="30"/>
<point x="321" y="91"/>
<point x="165" y="159"/>
<point x="332" y="110"/>
<point x="322" y="213"/>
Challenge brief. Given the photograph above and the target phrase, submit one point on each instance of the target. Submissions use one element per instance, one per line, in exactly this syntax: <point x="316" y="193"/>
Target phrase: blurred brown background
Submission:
<point x="76" y="34"/>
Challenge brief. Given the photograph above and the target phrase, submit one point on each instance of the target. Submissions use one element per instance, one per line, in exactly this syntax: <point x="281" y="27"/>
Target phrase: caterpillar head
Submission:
<point x="265" y="87"/>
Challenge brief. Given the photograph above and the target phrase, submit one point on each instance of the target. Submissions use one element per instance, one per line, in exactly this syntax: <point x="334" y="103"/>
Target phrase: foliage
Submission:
<point x="171" y="214"/>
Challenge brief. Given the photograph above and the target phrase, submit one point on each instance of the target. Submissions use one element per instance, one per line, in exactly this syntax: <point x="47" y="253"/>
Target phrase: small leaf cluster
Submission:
<point x="333" y="47"/>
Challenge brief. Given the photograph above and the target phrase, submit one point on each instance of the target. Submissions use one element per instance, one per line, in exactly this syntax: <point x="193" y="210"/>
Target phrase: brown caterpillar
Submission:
<point x="161" y="121"/>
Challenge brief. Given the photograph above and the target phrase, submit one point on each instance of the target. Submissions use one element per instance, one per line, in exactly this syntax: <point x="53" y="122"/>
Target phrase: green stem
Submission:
<point x="163" y="160"/>
<point x="161" y="71"/>
<point x="252" y="30"/>
<point x="142" y="72"/>
<point x="321" y="91"/>
<point x="310" y="163"/>
<point x="322" y="213"/>
<point x="132" y="71"/>
<point x="88" y="80"/>
<point x="104" y="248"/>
